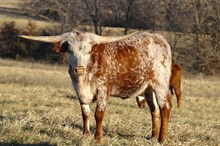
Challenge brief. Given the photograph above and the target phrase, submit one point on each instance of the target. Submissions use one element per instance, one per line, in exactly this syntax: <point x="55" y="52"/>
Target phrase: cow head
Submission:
<point x="78" y="44"/>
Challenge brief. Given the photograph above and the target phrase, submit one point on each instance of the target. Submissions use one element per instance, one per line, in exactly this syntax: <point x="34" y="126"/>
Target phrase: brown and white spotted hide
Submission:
<point x="175" y="86"/>
<point x="123" y="68"/>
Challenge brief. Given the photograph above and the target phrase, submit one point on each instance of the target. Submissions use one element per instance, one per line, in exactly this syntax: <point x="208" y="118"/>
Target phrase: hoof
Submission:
<point x="153" y="141"/>
<point x="98" y="139"/>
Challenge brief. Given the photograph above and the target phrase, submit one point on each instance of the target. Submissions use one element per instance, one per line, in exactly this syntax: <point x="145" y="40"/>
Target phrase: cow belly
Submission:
<point x="127" y="90"/>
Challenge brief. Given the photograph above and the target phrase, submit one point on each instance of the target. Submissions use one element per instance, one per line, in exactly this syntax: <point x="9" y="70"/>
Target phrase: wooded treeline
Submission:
<point x="192" y="26"/>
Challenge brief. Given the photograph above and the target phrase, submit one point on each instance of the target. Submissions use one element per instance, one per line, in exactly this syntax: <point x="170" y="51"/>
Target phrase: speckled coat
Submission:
<point x="124" y="68"/>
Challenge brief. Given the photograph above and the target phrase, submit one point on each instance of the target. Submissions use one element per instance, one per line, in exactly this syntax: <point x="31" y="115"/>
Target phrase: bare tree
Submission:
<point x="177" y="16"/>
<point x="128" y="14"/>
<point x="93" y="9"/>
<point x="142" y="15"/>
<point x="134" y="13"/>
<point x="64" y="12"/>
<point x="177" y="19"/>
<point x="213" y="22"/>
<point x="200" y="14"/>
<point x="116" y="11"/>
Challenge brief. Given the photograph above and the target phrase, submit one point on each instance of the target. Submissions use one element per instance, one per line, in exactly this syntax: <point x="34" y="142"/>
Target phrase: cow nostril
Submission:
<point x="79" y="70"/>
<point x="75" y="70"/>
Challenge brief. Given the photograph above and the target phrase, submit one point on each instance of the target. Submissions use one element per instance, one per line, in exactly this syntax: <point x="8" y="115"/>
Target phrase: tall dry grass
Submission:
<point x="38" y="106"/>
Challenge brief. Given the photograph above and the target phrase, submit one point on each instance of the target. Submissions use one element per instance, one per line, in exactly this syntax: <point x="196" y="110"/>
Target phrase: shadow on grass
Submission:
<point x="130" y="136"/>
<point x="73" y="97"/>
<point x="2" y="117"/>
<point x="77" y="126"/>
<point x="21" y="144"/>
<point x="124" y="105"/>
<point x="125" y="135"/>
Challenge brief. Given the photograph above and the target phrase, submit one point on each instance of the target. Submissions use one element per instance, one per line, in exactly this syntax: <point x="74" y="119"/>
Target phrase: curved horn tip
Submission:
<point x="48" y="39"/>
<point x="23" y="36"/>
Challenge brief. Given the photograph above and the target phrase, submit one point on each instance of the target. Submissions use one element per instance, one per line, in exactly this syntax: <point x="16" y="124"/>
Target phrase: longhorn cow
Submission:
<point x="121" y="67"/>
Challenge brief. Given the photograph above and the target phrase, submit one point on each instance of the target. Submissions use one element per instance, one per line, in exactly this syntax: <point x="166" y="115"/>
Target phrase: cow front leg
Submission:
<point x="85" y="114"/>
<point x="165" y="115"/>
<point x="155" y="111"/>
<point x="102" y="100"/>
<point x="99" y="116"/>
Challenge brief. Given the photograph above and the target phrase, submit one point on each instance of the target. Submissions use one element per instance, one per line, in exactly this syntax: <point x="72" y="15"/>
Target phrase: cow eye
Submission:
<point x="64" y="47"/>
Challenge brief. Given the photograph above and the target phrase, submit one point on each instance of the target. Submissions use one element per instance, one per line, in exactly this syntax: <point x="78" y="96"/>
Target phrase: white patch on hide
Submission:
<point x="86" y="109"/>
<point x="140" y="98"/>
<point x="155" y="101"/>
<point x="84" y="90"/>
<point x="140" y="90"/>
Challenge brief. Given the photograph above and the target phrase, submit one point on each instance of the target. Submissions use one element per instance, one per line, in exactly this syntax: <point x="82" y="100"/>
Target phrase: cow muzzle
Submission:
<point x="79" y="70"/>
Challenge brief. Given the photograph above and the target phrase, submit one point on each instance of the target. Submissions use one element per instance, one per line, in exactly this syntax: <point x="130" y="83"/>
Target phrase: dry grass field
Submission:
<point x="39" y="107"/>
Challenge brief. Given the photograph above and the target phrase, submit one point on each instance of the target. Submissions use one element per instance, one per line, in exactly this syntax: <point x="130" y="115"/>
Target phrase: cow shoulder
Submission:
<point x="98" y="58"/>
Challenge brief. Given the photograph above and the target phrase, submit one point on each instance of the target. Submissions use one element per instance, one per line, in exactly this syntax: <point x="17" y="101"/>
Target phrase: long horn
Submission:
<point x="48" y="39"/>
<point x="107" y="39"/>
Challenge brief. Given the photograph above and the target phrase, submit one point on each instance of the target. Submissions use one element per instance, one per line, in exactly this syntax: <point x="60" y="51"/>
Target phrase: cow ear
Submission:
<point x="57" y="47"/>
<point x="64" y="47"/>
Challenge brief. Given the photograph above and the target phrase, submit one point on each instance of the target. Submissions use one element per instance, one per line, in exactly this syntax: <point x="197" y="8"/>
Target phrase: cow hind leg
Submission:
<point x="163" y="100"/>
<point x="155" y="111"/>
<point x="165" y="115"/>
<point x="85" y="114"/>
<point x="178" y="95"/>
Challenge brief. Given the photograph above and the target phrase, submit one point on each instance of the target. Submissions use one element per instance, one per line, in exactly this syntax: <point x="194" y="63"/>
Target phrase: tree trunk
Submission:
<point x="127" y="18"/>
<point x="196" y="4"/>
